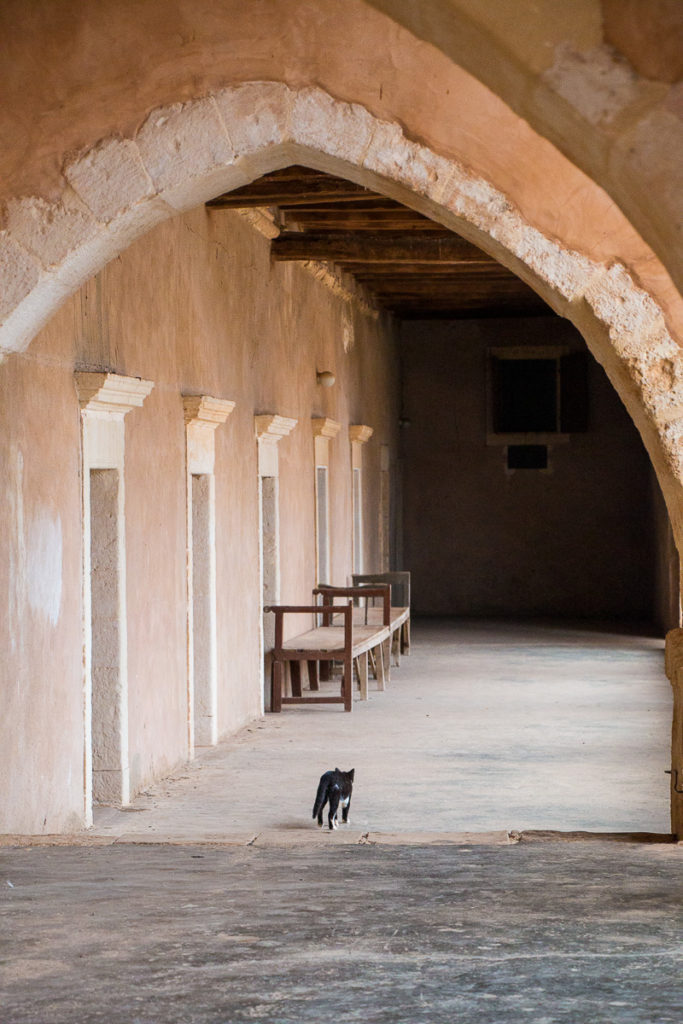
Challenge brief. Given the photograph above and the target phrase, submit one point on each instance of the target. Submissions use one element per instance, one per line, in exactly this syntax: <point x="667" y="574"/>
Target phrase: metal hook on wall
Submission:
<point x="673" y="772"/>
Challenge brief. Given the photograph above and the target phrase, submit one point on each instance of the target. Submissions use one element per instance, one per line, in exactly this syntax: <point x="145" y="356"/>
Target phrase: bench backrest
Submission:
<point x="398" y="581"/>
<point x="366" y="594"/>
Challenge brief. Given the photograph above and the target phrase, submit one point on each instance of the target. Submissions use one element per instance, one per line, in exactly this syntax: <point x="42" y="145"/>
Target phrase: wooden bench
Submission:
<point x="399" y="582"/>
<point x="338" y="638"/>
<point x="366" y="615"/>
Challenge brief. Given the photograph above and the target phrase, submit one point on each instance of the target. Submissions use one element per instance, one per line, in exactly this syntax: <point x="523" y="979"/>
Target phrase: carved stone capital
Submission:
<point x="272" y="428"/>
<point x="325" y="427"/>
<point x="359" y="433"/>
<point x="110" y="394"/>
<point x="206" y="410"/>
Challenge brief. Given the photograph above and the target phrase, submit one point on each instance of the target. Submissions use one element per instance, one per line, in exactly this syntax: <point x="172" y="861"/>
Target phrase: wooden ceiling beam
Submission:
<point x="468" y="271"/>
<point x="414" y="267"/>
<point x="498" y="312"/>
<point x="289" y="194"/>
<point x="455" y="281"/>
<point x="373" y="204"/>
<point x="444" y="298"/>
<point x="353" y="220"/>
<point x="388" y="248"/>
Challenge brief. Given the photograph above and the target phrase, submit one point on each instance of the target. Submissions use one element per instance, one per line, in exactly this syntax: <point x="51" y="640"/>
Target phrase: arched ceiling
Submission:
<point x="121" y="114"/>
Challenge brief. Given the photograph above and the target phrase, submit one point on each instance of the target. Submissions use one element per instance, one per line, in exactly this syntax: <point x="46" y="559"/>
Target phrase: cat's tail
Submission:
<point x="320" y="798"/>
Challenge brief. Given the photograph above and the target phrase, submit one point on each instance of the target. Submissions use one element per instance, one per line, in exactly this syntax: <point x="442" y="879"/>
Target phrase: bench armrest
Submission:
<point x="280" y="610"/>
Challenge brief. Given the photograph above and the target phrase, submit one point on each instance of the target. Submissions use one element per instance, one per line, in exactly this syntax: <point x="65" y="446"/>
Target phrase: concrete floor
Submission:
<point x="485" y="727"/>
<point x="215" y="900"/>
<point x="578" y="933"/>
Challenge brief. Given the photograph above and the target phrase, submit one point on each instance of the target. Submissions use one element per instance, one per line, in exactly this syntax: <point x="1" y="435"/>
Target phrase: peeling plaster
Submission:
<point x="598" y="83"/>
<point x="44" y="565"/>
<point x="17" y="551"/>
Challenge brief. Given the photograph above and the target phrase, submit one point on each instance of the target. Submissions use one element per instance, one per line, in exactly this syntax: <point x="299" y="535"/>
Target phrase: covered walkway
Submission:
<point x="190" y="905"/>
<point x="487" y="727"/>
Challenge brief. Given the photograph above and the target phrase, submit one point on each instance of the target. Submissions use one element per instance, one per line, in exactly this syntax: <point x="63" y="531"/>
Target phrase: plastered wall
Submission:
<point x="41" y="749"/>
<point x="577" y="541"/>
<point x="196" y="307"/>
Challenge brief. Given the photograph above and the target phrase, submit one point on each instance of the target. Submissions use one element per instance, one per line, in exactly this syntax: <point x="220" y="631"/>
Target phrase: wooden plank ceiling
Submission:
<point x="410" y="265"/>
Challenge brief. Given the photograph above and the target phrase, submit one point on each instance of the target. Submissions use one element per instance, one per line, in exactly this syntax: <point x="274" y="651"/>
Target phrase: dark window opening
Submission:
<point x="524" y="396"/>
<point x="539" y="394"/>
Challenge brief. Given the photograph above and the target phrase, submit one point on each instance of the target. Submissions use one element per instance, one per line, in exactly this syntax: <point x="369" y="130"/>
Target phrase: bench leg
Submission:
<point x="325" y="671"/>
<point x="295" y="675"/>
<point x="313" y="675"/>
<point x="386" y="657"/>
<point x="276" y="691"/>
<point x="405" y="637"/>
<point x="362" y="663"/>
<point x="373" y="663"/>
<point x="396" y="647"/>
<point x="347" y="684"/>
<point x="379" y="662"/>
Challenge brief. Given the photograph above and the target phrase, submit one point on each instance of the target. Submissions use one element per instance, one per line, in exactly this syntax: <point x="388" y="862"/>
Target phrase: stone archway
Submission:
<point x="186" y="153"/>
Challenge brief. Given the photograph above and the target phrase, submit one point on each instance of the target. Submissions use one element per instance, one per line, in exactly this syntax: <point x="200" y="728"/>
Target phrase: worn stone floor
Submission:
<point x="534" y="932"/>
<point x="486" y="726"/>
<point x="216" y="900"/>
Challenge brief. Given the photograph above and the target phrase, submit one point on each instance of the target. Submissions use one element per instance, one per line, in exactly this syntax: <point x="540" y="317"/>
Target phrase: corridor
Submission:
<point x="486" y="727"/>
<point x="214" y="897"/>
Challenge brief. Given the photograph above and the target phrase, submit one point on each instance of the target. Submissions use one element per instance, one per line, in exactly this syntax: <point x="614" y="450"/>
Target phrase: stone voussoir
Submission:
<point x="567" y="272"/>
<point x="391" y="155"/>
<point x="255" y="115"/>
<point x="184" y="141"/>
<point x="110" y="178"/>
<point x="629" y="312"/>
<point x="19" y="274"/>
<point x="319" y="122"/>
<point x="51" y="231"/>
<point x="671" y="435"/>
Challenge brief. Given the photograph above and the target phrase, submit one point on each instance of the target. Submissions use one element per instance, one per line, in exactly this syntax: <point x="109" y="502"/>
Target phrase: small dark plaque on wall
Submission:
<point x="527" y="456"/>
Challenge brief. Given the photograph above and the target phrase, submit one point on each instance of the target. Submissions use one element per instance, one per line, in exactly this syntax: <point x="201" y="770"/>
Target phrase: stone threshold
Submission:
<point x="290" y="838"/>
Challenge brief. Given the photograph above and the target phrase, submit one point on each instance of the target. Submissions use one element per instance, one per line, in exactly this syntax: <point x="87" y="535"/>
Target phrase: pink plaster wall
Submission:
<point x="196" y="307"/>
<point x="76" y="74"/>
<point x="41" y="725"/>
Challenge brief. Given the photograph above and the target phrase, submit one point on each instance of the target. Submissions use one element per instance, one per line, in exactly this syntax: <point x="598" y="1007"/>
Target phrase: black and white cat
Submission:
<point x="336" y="787"/>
